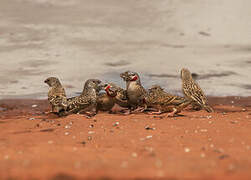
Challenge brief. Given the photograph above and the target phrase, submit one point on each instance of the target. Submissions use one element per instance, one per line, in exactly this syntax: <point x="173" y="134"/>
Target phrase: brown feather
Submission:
<point x="193" y="91"/>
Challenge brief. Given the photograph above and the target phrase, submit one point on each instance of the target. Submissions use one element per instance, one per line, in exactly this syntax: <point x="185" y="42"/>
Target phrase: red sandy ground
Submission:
<point x="198" y="145"/>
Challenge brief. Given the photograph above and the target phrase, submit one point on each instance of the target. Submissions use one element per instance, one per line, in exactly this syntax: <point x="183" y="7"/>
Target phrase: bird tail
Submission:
<point x="208" y="108"/>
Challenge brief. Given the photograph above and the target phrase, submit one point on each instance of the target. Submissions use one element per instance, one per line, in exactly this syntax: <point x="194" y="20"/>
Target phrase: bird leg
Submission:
<point x="87" y="114"/>
<point x="140" y="109"/>
<point x="48" y="112"/>
<point x="126" y="111"/>
<point x="172" y="114"/>
<point x="91" y="113"/>
<point x="155" y="112"/>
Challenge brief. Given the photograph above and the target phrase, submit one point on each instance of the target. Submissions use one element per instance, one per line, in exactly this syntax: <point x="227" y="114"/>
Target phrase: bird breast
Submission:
<point x="134" y="91"/>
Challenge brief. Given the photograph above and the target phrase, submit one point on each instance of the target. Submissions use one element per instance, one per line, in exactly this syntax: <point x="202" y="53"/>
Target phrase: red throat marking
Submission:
<point x="134" y="78"/>
<point x="107" y="88"/>
<point x="107" y="91"/>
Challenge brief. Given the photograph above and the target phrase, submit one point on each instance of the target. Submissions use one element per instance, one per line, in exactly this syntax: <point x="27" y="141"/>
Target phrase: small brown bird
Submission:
<point x="121" y="96"/>
<point x="118" y="96"/>
<point x="106" y="101"/>
<point x="163" y="102"/>
<point x="135" y="92"/>
<point x="193" y="91"/>
<point x="87" y="100"/>
<point x="56" y="95"/>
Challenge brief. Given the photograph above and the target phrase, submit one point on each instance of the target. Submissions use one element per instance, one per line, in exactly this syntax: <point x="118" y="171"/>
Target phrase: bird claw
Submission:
<point x="125" y="112"/>
<point x="87" y="114"/>
<point x="139" y="109"/>
<point x="171" y="114"/>
<point x="47" y="113"/>
<point x="155" y="113"/>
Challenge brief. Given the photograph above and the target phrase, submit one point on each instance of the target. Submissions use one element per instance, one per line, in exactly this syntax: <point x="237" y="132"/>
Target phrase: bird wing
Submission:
<point x="142" y="92"/>
<point x="123" y="94"/>
<point x="57" y="100"/>
<point x="168" y="99"/>
<point x="198" y="95"/>
<point x="83" y="100"/>
<point x="75" y="104"/>
<point x="193" y="91"/>
<point x="179" y="100"/>
<point x="159" y="97"/>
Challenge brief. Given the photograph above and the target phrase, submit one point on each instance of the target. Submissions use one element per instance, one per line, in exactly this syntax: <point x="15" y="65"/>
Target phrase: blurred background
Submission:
<point x="80" y="39"/>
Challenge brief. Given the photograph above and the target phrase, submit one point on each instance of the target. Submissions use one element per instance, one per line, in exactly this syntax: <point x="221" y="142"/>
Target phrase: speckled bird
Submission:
<point x="192" y="90"/>
<point x="56" y="96"/>
<point x="135" y="92"/>
<point x="163" y="102"/>
<point x="87" y="101"/>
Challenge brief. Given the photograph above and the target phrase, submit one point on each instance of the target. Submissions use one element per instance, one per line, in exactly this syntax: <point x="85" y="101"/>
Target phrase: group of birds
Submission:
<point x="135" y="98"/>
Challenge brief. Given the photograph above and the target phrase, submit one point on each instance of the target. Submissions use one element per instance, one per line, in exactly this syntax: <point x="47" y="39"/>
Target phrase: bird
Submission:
<point x="162" y="101"/>
<point x="87" y="100"/>
<point x="121" y="98"/>
<point x="117" y="95"/>
<point x="135" y="92"/>
<point x="192" y="91"/>
<point x="106" y="101"/>
<point x="56" y="96"/>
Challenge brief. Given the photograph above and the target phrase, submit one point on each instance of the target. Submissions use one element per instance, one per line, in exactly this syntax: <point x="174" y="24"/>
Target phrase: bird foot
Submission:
<point x="88" y="114"/>
<point x="111" y="112"/>
<point x="49" y="112"/>
<point x="125" y="112"/>
<point x="139" y="110"/>
<point x="172" y="114"/>
<point x="155" y="113"/>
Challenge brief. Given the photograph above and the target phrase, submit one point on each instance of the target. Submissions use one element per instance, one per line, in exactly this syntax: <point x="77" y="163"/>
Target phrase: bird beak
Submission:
<point x="124" y="76"/>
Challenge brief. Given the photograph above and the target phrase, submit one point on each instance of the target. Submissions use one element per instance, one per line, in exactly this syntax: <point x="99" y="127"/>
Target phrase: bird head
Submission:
<point x="110" y="90"/>
<point x="52" y="81"/>
<point x="93" y="84"/>
<point x="130" y="76"/>
<point x="185" y="74"/>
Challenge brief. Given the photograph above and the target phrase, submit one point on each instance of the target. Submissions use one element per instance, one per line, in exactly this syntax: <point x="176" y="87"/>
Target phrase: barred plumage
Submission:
<point x="192" y="90"/>
<point x="56" y="95"/>
<point x="87" y="100"/>
<point x="164" y="102"/>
